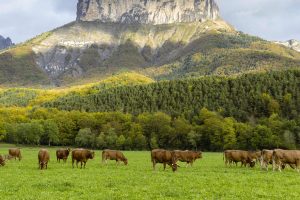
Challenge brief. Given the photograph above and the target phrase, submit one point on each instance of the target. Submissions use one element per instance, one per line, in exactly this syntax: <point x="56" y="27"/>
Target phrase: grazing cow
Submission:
<point x="290" y="157"/>
<point x="165" y="157"/>
<point x="44" y="158"/>
<point x="2" y="161"/>
<point x="188" y="156"/>
<point x="15" y="152"/>
<point x="266" y="159"/>
<point x="82" y="156"/>
<point x="113" y="155"/>
<point x="235" y="156"/>
<point x="62" y="154"/>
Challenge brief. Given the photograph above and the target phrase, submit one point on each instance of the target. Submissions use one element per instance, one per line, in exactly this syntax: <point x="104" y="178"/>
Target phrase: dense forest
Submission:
<point x="243" y="97"/>
<point x="206" y="130"/>
<point x="252" y="111"/>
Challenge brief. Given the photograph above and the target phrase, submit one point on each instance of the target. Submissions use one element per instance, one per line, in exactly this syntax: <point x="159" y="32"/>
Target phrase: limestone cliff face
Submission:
<point x="293" y="44"/>
<point x="147" y="11"/>
<point x="5" y="42"/>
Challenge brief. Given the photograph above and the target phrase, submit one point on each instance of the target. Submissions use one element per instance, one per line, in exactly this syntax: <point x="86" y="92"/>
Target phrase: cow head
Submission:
<point x="199" y="154"/>
<point x="252" y="163"/>
<point x="125" y="161"/>
<point x="92" y="155"/>
<point x="174" y="167"/>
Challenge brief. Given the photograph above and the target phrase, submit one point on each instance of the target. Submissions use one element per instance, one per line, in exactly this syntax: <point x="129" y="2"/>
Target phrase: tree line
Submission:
<point x="204" y="130"/>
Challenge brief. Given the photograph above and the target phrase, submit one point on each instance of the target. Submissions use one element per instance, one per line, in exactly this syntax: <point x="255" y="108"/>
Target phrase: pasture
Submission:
<point x="207" y="179"/>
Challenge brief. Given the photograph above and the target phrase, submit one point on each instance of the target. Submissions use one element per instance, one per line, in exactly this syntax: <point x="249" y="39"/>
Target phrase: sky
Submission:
<point x="270" y="19"/>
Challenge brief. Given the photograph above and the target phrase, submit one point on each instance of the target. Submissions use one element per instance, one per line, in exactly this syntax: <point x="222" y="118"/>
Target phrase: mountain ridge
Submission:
<point x="86" y="51"/>
<point x="147" y="11"/>
<point x="5" y="42"/>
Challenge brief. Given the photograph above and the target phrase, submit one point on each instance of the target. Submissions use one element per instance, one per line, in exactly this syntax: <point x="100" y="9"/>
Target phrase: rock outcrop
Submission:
<point x="147" y="11"/>
<point x="293" y="44"/>
<point x="5" y="42"/>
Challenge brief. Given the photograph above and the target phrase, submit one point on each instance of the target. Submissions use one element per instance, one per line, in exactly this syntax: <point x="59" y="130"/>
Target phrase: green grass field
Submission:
<point x="207" y="179"/>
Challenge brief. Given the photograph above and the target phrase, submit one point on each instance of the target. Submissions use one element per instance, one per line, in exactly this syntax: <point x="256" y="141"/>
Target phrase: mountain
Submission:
<point x="5" y="42"/>
<point x="293" y="44"/>
<point x="147" y="11"/>
<point x="160" y="39"/>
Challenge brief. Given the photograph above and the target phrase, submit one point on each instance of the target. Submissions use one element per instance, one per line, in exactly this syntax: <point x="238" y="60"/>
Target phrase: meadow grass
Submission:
<point x="207" y="179"/>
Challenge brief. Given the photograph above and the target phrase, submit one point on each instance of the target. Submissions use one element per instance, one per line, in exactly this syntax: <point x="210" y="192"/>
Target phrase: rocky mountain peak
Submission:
<point x="293" y="44"/>
<point x="147" y="11"/>
<point x="5" y="42"/>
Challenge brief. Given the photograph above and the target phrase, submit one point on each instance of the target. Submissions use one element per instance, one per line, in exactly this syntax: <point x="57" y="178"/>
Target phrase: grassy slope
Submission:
<point x="208" y="179"/>
<point x="31" y="97"/>
<point x="18" y="66"/>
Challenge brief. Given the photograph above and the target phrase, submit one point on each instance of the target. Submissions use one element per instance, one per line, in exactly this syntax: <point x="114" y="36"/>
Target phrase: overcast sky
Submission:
<point x="269" y="19"/>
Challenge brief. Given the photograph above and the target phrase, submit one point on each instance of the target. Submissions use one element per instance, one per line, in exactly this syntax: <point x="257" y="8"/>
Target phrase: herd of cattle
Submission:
<point x="278" y="158"/>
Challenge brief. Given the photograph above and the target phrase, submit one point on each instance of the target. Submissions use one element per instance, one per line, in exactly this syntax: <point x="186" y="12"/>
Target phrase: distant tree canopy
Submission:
<point x="205" y="130"/>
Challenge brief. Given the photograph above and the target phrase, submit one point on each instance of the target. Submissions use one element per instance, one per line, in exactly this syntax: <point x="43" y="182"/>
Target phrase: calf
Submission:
<point x="113" y="155"/>
<point x="82" y="156"/>
<point x="62" y="154"/>
<point x="188" y="156"/>
<point x="165" y="157"/>
<point x="15" y="152"/>
<point x="43" y="158"/>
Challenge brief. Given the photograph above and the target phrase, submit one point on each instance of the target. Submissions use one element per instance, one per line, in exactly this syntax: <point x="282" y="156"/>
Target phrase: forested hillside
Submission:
<point x="256" y="95"/>
<point x="129" y="111"/>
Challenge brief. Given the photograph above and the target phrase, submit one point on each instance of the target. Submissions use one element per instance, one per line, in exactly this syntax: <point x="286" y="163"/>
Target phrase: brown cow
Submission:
<point x="82" y="156"/>
<point x="62" y="154"/>
<point x="44" y="158"/>
<point x="113" y="155"/>
<point x="165" y="157"/>
<point x="235" y="156"/>
<point x="15" y="152"/>
<point x="2" y="161"/>
<point x="266" y="159"/>
<point x="290" y="157"/>
<point x="188" y="156"/>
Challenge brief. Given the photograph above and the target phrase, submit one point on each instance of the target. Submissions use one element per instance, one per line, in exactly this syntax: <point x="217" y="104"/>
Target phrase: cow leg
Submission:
<point x="84" y="163"/>
<point x="77" y="163"/>
<point x="72" y="162"/>
<point x="154" y="163"/>
<point x="80" y="164"/>
<point x="164" y="166"/>
<point x="279" y="166"/>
